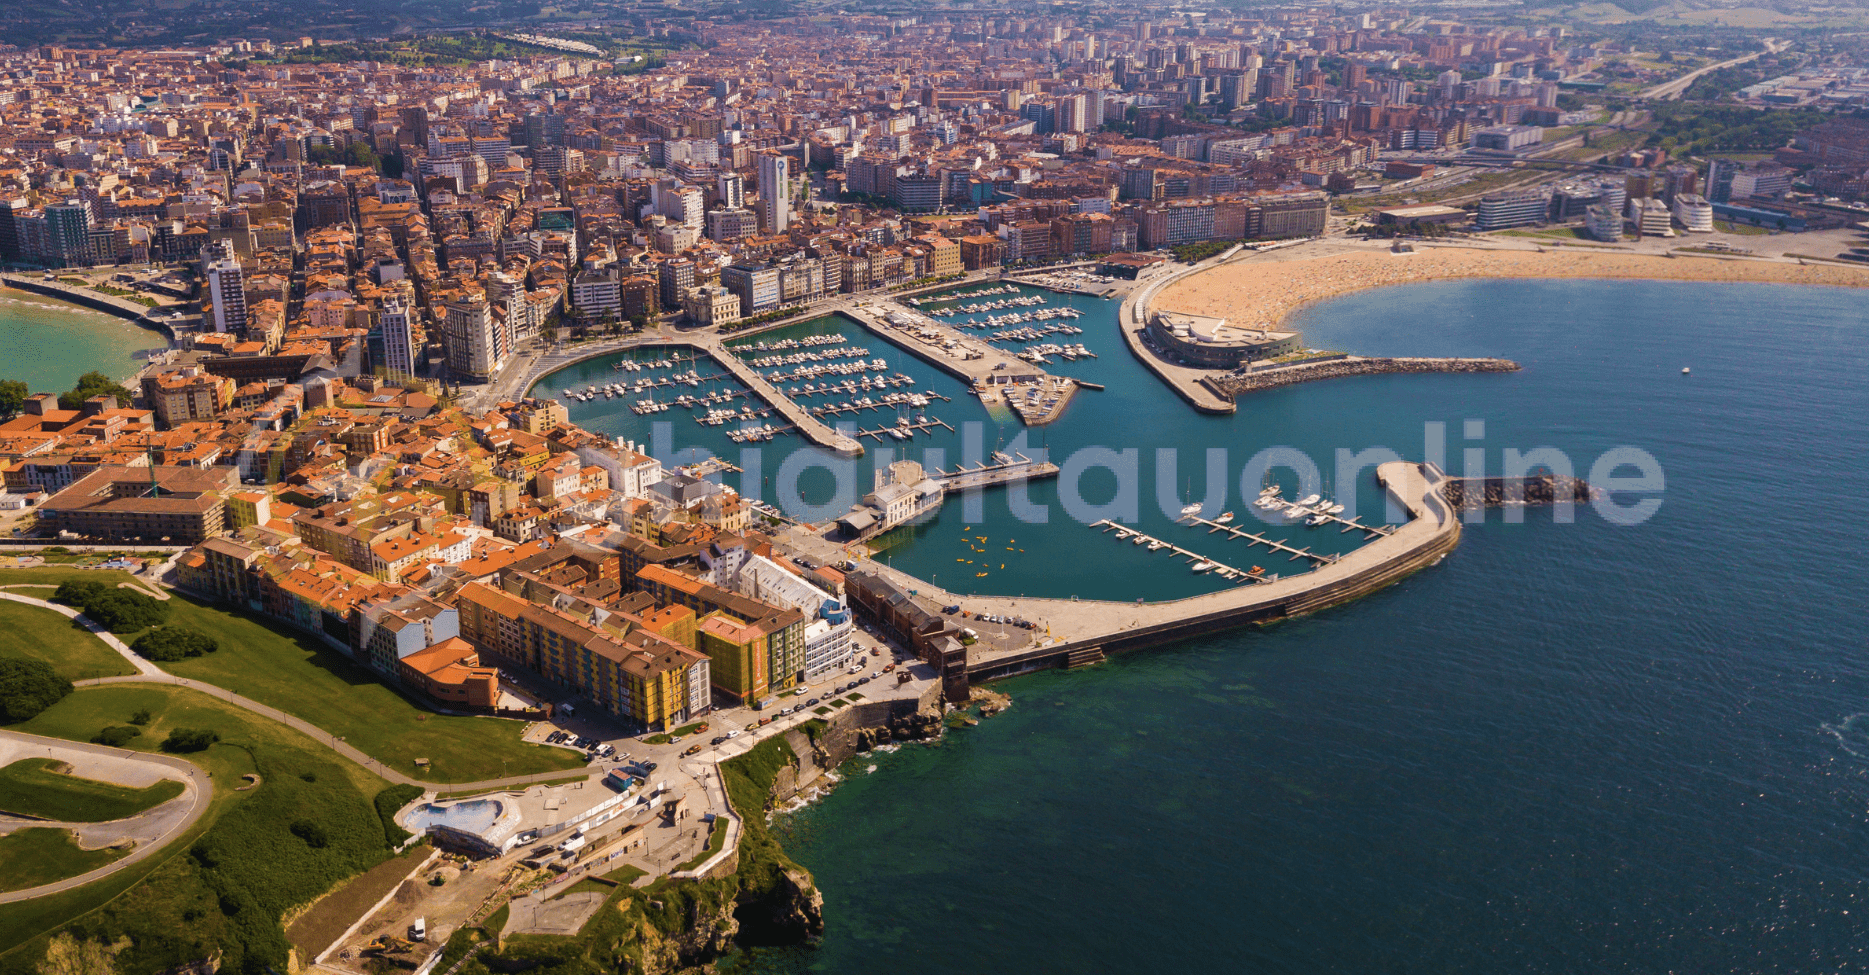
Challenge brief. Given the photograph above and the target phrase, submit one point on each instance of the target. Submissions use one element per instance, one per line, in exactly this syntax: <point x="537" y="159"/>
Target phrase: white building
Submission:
<point x="631" y="471"/>
<point x="1501" y="210"/>
<point x="1508" y="138"/>
<point x="1694" y="213"/>
<point x="1603" y="223"/>
<point x="775" y="202"/>
<point x="398" y="338"/>
<point x="828" y="647"/>
<point x="1652" y="217"/>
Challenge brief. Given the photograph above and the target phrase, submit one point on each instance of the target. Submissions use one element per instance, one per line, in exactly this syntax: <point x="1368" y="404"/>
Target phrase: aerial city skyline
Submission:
<point x="651" y="487"/>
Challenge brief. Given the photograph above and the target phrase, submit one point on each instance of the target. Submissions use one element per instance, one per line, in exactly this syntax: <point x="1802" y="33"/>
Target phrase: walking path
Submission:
<point x="149" y="673"/>
<point x="325" y="738"/>
<point x="144" y="668"/>
<point x="151" y="829"/>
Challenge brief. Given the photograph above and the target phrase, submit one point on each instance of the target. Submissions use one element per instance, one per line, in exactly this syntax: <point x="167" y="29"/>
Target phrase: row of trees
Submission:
<point x="14" y="393"/>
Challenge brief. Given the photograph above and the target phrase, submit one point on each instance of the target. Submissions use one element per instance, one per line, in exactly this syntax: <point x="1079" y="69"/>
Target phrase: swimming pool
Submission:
<point x="473" y="816"/>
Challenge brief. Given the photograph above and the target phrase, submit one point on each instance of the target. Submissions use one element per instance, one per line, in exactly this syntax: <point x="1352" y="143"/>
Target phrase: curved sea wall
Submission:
<point x="96" y="301"/>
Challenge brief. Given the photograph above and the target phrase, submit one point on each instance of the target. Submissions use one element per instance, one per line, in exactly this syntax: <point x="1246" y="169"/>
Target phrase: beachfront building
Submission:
<point x="1517" y="209"/>
<point x="1198" y="340"/>
<point x="1694" y="213"/>
<point x="1651" y="216"/>
<point x="1603" y="223"/>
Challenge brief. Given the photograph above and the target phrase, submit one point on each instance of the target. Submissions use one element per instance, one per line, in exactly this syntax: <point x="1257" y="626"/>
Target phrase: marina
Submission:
<point x="1198" y="563"/>
<point x="905" y="428"/>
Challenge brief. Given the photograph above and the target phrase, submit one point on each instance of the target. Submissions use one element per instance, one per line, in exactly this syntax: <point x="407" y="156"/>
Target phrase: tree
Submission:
<point x="116" y="736"/>
<point x="123" y="611"/>
<point x="167" y="643"/>
<point x="77" y="592"/>
<point x="13" y="393"/>
<point x="28" y="687"/>
<point x="190" y="740"/>
<point x="93" y="384"/>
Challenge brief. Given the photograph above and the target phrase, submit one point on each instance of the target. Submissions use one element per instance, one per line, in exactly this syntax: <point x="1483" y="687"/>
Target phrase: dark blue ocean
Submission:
<point x="1570" y="747"/>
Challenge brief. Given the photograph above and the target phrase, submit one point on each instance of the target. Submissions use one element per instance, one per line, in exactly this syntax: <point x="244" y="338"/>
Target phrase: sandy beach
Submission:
<point x="1263" y="292"/>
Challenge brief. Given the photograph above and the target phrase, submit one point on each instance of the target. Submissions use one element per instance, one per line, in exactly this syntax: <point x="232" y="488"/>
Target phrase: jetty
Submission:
<point x="1271" y="543"/>
<point x="810" y="427"/>
<point x="909" y="429"/>
<point x="1272" y="376"/>
<point x="1154" y="544"/>
<point x="1017" y="467"/>
<point x="1486" y="492"/>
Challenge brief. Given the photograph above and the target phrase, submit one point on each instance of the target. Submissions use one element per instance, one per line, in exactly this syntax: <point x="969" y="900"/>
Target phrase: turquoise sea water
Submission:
<point x="1568" y="747"/>
<point x="49" y="344"/>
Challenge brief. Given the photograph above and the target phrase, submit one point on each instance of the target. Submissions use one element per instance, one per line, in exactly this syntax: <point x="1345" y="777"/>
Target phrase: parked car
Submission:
<point x="811" y="702"/>
<point x="731" y="735"/>
<point x="673" y="739"/>
<point x="863" y="680"/>
<point x="719" y="740"/>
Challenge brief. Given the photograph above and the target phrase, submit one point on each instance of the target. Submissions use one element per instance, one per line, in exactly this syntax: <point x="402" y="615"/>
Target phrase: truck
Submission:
<point x="418" y="929"/>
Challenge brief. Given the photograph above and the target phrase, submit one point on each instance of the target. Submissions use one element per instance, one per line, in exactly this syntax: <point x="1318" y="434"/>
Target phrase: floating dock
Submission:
<point x="910" y="428"/>
<point x="1273" y="544"/>
<point x="1018" y="468"/>
<point x="1154" y="544"/>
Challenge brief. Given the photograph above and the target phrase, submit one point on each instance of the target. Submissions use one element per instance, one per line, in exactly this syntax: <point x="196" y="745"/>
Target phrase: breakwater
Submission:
<point x="1271" y="378"/>
<point x="1082" y="632"/>
<point x="1492" y="492"/>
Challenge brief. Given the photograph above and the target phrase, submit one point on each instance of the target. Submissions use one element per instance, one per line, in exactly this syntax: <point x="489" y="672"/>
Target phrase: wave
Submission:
<point x="1852" y="734"/>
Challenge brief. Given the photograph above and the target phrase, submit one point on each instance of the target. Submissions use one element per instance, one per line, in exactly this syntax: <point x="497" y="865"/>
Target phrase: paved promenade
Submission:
<point x="1131" y="319"/>
<point x="151" y="830"/>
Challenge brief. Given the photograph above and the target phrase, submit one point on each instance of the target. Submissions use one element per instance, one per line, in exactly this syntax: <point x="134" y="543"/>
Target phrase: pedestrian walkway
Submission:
<point x="151" y="830"/>
<point x="143" y="667"/>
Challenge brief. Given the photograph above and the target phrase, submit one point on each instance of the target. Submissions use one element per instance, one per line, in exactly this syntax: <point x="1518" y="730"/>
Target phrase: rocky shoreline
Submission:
<point x="1236" y="383"/>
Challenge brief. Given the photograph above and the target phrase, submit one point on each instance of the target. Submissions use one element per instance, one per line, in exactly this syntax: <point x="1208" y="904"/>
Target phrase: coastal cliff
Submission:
<point x="757" y="897"/>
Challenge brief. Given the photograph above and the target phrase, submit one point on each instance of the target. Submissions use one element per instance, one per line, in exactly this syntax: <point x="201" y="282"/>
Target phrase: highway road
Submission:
<point x="1670" y="90"/>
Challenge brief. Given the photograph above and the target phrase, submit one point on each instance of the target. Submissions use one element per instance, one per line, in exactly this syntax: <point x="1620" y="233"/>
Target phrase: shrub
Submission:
<point x="312" y="833"/>
<point x="388" y="802"/>
<point x="123" y="611"/>
<point x="77" y="592"/>
<point x="190" y="740"/>
<point x="28" y="687"/>
<point x="140" y="717"/>
<point x="168" y="643"/>
<point x="116" y="736"/>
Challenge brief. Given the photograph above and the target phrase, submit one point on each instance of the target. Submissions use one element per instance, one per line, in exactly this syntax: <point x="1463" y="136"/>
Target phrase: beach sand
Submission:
<point x="1261" y="293"/>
